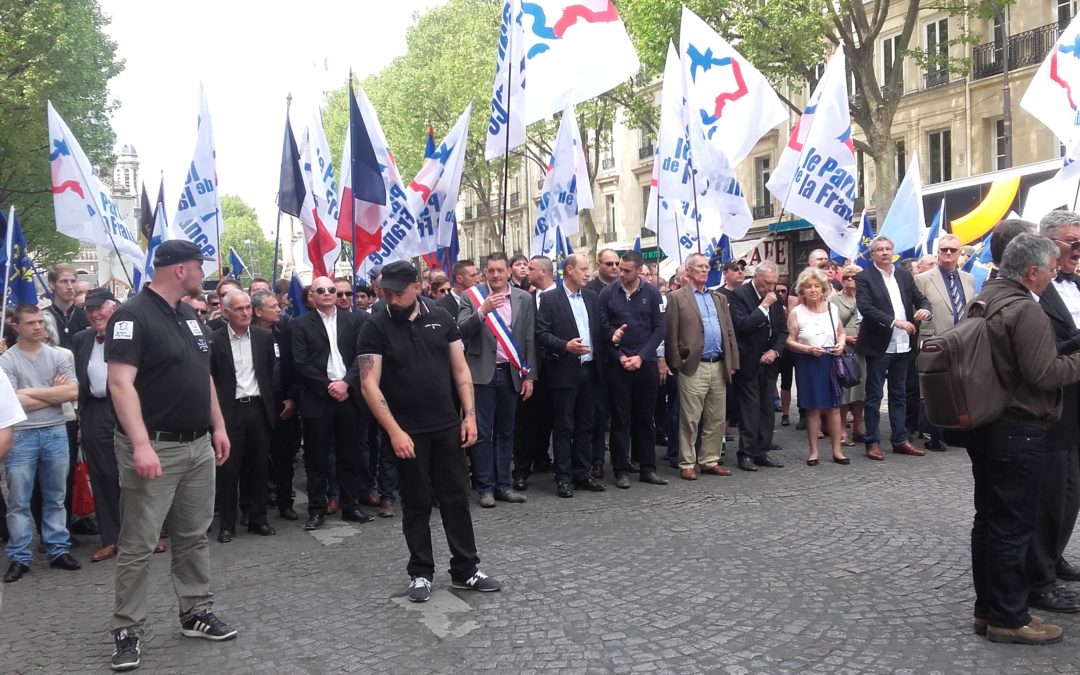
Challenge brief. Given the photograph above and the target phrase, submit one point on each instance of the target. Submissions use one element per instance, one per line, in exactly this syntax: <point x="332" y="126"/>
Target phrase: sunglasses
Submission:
<point x="1074" y="246"/>
<point x="325" y="290"/>
<point x="949" y="249"/>
<point x="344" y="294"/>
<point x="442" y="291"/>
<point x="611" y="264"/>
<point x="848" y="278"/>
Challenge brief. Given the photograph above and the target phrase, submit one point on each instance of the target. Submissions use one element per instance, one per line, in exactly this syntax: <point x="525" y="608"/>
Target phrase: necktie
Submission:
<point x="955" y="297"/>
<point x="100" y="339"/>
<point x="1066" y="276"/>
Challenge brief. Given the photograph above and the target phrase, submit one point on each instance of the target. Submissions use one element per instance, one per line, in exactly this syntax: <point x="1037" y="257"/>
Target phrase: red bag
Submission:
<point x="82" y="497"/>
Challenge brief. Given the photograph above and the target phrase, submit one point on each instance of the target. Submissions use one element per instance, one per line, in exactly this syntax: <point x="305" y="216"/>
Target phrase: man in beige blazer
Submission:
<point x="701" y="346"/>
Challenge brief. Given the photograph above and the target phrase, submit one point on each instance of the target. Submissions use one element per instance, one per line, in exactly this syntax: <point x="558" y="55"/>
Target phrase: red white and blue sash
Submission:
<point x="500" y="331"/>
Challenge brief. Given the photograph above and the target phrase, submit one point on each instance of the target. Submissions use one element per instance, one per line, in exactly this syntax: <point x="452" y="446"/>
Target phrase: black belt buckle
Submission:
<point x="176" y="436"/>
<point x="248" y="399"/>
<point x="713" y="359"/>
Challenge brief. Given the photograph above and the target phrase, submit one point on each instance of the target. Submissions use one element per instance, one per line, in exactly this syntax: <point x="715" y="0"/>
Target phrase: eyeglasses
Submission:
<point x="614" y="263"/>
<point x="215" y="303"/>
<point x="344" y="294"/>
<point x="1074" y="246"/>
<point x="949" y="249"/>
<point x="699" y="267"/>
<point x="442" y="291"/>
<point x="325" y="290"/>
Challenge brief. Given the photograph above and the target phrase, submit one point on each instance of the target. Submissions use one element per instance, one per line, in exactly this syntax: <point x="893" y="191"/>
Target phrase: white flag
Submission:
<point x="321" y="207"/>
<point x="1053" y="97"/>
<point x="731" y="104"/>
<point x="198" y="214"/>
<point x="84" y="207"/>
<point x="558" y="199"/>
<point x="506" y="126"/>
<point x="574" y="50"/>
<point x="433" y="193"/>
<point x="816" y="175"/>
<point x="905" y="222"/>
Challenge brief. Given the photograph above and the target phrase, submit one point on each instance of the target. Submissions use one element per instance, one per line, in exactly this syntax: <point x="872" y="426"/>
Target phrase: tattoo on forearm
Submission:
<point x="471" y="412"/>
<point x="382" y="404"/>
<point x="367" y="362"/>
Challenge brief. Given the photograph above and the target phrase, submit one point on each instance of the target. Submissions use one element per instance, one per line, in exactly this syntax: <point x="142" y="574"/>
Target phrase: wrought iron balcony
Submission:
<point x="860" y="204"/>
<point x="937" y="78"/>
<point x="763" y="211"/>
<point x="468" y="213"/>
<point x="646" y="151"/>
<point x="1025" y="49"/>
<point x="515" y="200"/>
<point x="892" y="90"/>
<point x="607" y="163"/>
<point x="482" y="210"/>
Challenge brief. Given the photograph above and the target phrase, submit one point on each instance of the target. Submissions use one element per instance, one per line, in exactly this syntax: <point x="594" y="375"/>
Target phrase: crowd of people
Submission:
<point x="432" y="387"/>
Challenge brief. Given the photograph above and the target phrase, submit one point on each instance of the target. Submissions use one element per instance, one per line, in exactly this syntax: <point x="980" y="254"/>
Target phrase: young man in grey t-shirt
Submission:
<point x="44" y="380"/>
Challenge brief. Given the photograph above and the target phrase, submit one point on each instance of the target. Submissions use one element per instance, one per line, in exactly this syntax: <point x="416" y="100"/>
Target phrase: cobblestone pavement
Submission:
<point x="830" y="569"/>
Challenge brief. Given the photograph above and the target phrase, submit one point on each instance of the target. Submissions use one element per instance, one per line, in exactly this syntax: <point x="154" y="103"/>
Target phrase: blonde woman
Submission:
<point x="848" y="314"/>
<point x="815" y="337"/>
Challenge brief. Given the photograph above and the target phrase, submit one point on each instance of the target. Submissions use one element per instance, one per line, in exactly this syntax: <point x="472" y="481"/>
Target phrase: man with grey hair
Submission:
<point x="890" y="304"/>
<point x="1008" y="457"/>
<point x="760" y="331"/>
<point x="1059" y="490"/>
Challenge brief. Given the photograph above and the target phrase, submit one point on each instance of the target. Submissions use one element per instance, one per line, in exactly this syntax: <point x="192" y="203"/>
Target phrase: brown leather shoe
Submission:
<point x="717" y="470"/>
<point x="652" y="478"/>
<point x="873" y="451"/>
<point x="980" y="625"/>
<point x="372" y="499"/>
<point x="161" y="546"/>
<point x="1045" y="634"/>
<point x="906" y="448"/>
<point x="104" y="553"/>
<point x="332" y="507"/>
<point x="687" y="474"/>
<point x="622" y="481"/>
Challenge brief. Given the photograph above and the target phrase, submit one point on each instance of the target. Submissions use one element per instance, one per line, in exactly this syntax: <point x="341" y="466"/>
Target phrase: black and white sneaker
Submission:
<point x="420" y="589"/>
<point x="126" y="654"/>
<point x="207" y="626"/>
<point x="478" y="582"/>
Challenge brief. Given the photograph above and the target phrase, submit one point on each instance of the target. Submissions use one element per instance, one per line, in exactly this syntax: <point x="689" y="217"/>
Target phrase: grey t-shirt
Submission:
<point x="25" y="372"/>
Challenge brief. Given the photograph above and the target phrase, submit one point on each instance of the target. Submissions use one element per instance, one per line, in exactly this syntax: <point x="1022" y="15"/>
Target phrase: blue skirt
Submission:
<point x="815" y="381"/>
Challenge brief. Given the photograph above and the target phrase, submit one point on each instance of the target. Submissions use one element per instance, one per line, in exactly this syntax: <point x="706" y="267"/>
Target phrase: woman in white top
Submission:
<point x="816" y="337"/>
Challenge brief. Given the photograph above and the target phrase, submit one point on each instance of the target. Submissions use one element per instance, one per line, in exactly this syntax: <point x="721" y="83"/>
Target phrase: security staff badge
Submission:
<point x="200" y="339"/>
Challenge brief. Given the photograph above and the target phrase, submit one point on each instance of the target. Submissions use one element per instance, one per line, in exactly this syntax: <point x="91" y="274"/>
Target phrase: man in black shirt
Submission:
<point x="633" y="329"/>
<point x="159" y="382"/>
<point x="62" y="313"/>
<point x="607" y="272"/>
<point x="420" y="349"/>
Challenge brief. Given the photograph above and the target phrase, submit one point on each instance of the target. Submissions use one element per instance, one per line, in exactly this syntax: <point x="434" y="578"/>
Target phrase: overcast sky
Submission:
<point x="249" y="55"/>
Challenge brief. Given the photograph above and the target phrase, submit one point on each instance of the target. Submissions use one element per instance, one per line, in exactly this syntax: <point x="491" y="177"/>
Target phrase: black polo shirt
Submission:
<point x="171" y="350"/>
<point x="645" y="325"/>
<point x="416" y="378"/>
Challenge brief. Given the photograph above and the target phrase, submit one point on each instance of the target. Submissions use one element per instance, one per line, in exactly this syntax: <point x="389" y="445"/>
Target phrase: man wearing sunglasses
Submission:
<point x="344" y="292"/>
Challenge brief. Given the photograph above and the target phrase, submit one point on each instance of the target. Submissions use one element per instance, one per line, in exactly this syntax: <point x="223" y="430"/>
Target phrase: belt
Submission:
<point x="176" y="436"/>
<point x="713" y="359"/>
<point x="249" y="399"/>
<point x="502" y="365"/>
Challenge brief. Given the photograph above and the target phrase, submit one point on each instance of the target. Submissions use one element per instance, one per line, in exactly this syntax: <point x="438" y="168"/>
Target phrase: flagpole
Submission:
<point x="7" y="269"/>
<point x="697" y="214"/>
<point x="509" y="108"/>
<point x="277" y="235"/>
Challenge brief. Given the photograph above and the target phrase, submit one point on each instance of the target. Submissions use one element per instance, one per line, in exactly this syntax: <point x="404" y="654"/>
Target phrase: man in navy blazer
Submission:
<point x="568" y="329"/>
<point x="890" y="304"/>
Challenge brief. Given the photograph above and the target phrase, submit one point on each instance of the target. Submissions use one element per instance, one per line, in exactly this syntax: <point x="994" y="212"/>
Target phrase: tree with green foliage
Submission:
<point x="51" y="50"/>
<point x="788" y="40"/>
<point x="241" y="231"/>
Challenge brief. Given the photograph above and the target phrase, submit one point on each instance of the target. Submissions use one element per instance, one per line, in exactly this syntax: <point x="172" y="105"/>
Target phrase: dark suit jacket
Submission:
<point x="872" y="299"/>
<point x="448" y="303"/>
<point x="82" y="344"/>
<point x="285" y="383"/>
<point x="223" y="370"/>
<point x="1066" y="431"/>
<point x="752" y="329"/>
<point x="311" y="350"/>
<point x="555" y="326"/>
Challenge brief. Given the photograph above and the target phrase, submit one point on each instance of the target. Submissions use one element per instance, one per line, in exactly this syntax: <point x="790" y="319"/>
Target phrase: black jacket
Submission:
<point x="285" y="382"/>
<point x="555" y="326"/>
<point x="752" y="329"/>
<point x="1065" y="433"/>
<point x="448" y="303"/>
<point x="82" y="344"/>
<point x="223" y="370"/>
<point x="311" y="351"/>
<point x="872" y="299"/>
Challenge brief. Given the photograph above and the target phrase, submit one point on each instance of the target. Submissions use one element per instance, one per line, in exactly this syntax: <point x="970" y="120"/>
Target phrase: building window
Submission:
<point x="940" y="156"/>
<point x="860" y="173"/>
<point x="1066" y="10"/>
<point x="890" y="52"/>
<point x="901" y="161"/>
<point x="762" y="173"/>
<point x="609" y="209"/>
<point x="645" y="192"/>
<point x="999" y="144"/>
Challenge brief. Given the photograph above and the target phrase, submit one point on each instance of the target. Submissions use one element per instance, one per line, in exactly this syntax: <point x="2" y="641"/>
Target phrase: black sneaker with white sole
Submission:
<point x="478" y="582"/>
<point x="126" y="654"/>
<point x="420" y="589"/>
<point x="207" y="626"/>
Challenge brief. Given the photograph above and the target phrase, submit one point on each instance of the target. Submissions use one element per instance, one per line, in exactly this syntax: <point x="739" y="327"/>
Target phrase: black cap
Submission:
<point x="176" y="251"/>
<point x="734" y="265"/>
<point x="96" y="297"/>
<point x="398" y="275"/>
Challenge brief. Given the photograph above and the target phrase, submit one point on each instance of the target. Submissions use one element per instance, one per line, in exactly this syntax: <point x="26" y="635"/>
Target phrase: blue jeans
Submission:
<point x="893" y="367"/>
<point x="40" y="453"/>
<point x="496" y="406"/>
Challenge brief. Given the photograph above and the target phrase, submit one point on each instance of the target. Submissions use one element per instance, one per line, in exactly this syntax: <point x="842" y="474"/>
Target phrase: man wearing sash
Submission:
<point x="497" y="323"/>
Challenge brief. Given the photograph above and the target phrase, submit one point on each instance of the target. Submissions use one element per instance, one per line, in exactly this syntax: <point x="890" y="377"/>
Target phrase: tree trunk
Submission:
<point x="883" y="152"/>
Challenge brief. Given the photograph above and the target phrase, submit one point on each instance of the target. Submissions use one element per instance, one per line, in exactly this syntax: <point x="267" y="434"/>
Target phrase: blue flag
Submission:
<point x="291" y="190"/>
<point x="18" y="268"/>
<point x="296" y="298"/>
<point x="928" y="241"/>
<point x="448" y="255"/>
<point x="719" y="253"/>
<point x="236" y="265"/>
<point x="865" y="238"/>
<point x="637" y="244"/>
<point x="367" y="180"/>
<point x="562" y="249"/>
<point x="980" y="263"/>
<point x="429" y="149"/>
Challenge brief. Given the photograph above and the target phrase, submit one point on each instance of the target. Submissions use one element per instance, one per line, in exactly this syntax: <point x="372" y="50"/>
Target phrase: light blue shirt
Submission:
<point x="581" y="318"/>
<point x="710" y="321"/>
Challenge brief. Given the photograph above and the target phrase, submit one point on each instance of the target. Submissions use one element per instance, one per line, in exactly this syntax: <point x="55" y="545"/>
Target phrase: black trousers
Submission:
<point x="344" y="427"/>
<point x="98" y="424"/>
<point x="757" y="413"/>
<point x="532" y="431"/>
<point x="1058" y="500"/>
<point x="283" y="443"/>
<point x="573" y="411"/>
<point x="439" y="467"/>
<point x="1007" y="462"/>
<point x="632" y="398"/>
<point x="249" y="435"/>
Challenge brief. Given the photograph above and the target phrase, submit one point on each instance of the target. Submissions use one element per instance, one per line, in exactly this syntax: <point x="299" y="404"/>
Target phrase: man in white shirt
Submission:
<point x="11" y="413"/>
